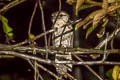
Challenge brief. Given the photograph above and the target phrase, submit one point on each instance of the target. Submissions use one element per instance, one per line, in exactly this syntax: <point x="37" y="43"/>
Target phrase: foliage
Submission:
<point x="31" y="36"/>
<point x="89" y="31"/>
<point x="6" y="28"/>
<point x="108" y="7"/>
<point x="116" y="72"/>
<point x="109" y="74"/>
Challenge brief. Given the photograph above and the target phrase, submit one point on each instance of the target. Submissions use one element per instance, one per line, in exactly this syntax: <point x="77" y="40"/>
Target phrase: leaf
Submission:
<point x="116" y="73"/>
<point x="91" y="16"/>
<point x="79" y="24"/>
<point x="105" y="20"/>
<point x="87" y="24"/>
<point x="101" y="33"/>
<point x="78" y="5"/>
<point x="105" y="5"/>
<point x="6" y="28"/>
<point x="89" y="31"/>
<point x="2" y="18"/>
<point x="118" y="76"/>
<point x="70" y="2"/>
<point x="84" y="6"/>
<point x="10" y="34"/>
<point x="111" y="1"/>
<point x="113" y="7"/>
<point x="99" y="15"/>
<point x="86" y="20"/>
<point x="118" y="11"/>
<point x="31" y="36"/>
<point x="118" y="2"/>
<point x="109" y="74"/>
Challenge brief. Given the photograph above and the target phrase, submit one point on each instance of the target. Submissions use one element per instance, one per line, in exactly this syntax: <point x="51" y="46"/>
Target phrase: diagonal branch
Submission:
<point x="88" y="67"/>
<point x="115" y="32"/>
<point x="11" y="5"/>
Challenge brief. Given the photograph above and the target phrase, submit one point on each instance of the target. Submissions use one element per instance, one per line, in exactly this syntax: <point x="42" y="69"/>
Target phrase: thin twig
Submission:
<point x="60" y="5"/>
<point x="93" y="3"/>
<point x="30" y="62"/>
<point x="35" y="66"/>
<point x="36" y="37"/>
<point x="26" y="56"/>
<point x="70" y="76"/>
<point x="105" y="53"/>
<point x="31" y="20"/>
<point x="54" y="22"/>
<point x="11" y="5"/>
<point x="88" y="67"/>
<point x="111" y="36"/>
<point x="87" y="62"/>
<point x="43" y="26"/>
<point x="44" y="33"/>
<point x="82" y="51"/>
<point x="45" y="69"/>
<point x="114" y="33"/>
<point x="50" y="62"/>
<point x="6" y="56"/>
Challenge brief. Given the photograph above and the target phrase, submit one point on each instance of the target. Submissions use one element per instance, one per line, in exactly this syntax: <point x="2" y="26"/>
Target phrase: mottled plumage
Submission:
<point x="62" y="38"/>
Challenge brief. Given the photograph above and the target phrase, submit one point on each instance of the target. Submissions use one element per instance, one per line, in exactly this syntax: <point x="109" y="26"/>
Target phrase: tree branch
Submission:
<point x="11" y="5"/>
<point x="50" y="62"/>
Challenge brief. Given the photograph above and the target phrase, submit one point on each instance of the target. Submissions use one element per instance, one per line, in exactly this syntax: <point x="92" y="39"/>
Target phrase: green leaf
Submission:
<point x="6" y="28"/>
<point x="118" y="10"/>
<point x="89" y="31"/>
<point x="31" y="36"/>
<point x="109" y="74"/>
<point x="2" y="18"/>
<point x="10" y="34"/>
<point x="115" y="73"/>
<point x="118" y="2"/>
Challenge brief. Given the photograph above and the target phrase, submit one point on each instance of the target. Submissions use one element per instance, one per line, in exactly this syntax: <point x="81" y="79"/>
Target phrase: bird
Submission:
<point x="62" y="37"/>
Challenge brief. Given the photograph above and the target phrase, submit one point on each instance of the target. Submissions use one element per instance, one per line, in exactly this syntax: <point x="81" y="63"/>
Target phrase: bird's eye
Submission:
<point x="61" y="15"/>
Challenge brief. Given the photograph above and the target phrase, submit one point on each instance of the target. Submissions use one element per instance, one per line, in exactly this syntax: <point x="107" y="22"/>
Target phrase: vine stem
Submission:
<point x="31" y="19"/>
<point x="43" y="26"/>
